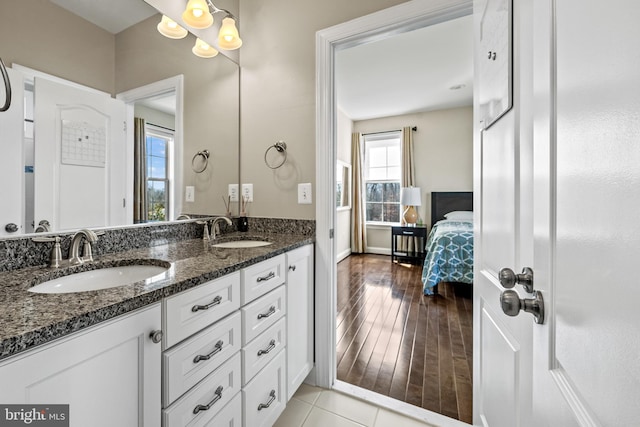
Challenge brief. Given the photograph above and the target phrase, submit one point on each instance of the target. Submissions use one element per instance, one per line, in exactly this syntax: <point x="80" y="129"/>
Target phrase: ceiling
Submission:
<point x="113" y="15"/>
<point x="408" y="73"/>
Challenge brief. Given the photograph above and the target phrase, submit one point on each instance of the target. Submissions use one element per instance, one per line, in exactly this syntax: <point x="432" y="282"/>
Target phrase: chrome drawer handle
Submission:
<point x="217" y="349"/>
<point x="266" y="405"/>
<point x="271" y="311"/>
<point x="218" y="396"/>
<point x="269" y="276"/>
<point x="408" y="232"/>
<point x="217" y="300"/>
<point x="272" y="345"/>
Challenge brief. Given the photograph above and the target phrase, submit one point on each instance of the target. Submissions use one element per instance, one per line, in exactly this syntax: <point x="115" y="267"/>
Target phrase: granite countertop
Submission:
<point x="29" y="319"/>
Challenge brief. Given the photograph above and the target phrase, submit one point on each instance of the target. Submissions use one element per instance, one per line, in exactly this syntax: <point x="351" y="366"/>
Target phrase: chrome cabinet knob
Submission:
<point x="11" y="228"/>
<point x="508" y="279"/>
<point x="512" y="304"/>
<point x="156" y="336"/>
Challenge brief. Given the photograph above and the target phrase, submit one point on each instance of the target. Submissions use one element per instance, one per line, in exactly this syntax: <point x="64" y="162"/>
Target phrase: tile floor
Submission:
<point x="317" y="407"/>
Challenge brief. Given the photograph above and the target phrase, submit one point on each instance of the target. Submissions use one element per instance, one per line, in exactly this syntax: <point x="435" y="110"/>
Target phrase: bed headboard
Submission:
<point x="443" y="202"/>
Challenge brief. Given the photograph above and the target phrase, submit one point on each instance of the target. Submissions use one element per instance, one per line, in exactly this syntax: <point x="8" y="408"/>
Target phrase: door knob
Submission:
<point x="511" y="304"/>
<point x="508" y="279"/>
<point x="156" y="336"/>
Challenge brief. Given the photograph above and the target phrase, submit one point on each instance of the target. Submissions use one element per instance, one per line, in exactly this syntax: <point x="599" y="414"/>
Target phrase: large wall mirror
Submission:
<point x="74" y="83"/>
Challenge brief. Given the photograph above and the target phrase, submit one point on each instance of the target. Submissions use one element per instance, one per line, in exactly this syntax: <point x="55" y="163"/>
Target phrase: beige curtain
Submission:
<point x="408" y="179"/>
<point x="139" y="172"/>
<point x="358" y="212"/>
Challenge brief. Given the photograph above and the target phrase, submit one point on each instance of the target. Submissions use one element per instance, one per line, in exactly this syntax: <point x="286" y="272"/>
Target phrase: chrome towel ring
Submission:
<point x="7" y="87"/>
<point x="205" y="156"/>
<point x="280" y="147"/>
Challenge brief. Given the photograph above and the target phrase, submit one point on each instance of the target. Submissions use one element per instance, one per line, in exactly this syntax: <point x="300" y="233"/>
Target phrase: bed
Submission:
<point x="450" y="243"/>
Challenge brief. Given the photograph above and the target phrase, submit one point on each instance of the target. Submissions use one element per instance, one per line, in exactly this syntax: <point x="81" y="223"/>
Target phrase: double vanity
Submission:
<point x="215" y="335"/>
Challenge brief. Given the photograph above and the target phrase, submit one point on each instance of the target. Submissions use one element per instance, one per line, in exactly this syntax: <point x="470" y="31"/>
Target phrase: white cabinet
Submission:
<point x="300" y="331"/>
<point x="109" y="374"/>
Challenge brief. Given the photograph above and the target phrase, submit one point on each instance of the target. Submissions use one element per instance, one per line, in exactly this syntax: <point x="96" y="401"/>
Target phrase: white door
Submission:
<point x="587" y="204"/>
<point x="503" y="235"/>
<point x="79" y="157"/>
<point x="11" y="158"/>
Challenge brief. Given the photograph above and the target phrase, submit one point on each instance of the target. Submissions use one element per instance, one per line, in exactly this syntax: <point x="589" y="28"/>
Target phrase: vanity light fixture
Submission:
<point x="197" y="14"/>
<point x="203" y="49"/>
<point x="169" y="28"/>
<point x="228" y="37"/>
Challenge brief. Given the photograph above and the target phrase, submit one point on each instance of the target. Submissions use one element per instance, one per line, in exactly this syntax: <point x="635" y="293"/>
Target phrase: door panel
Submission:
<point x="79" y="141"/>
<point x="586" y="358"/>
<point x="11" y="161"/>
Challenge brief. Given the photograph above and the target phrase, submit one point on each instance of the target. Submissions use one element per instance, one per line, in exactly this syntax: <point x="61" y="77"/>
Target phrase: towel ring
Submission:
<point x="7" y="87"/>
<point x="281" y="147"/>
<point x="205" y="156"/>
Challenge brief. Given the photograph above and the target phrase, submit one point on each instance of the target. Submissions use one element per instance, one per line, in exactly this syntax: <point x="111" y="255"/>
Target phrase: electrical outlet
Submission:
<point x="304" y="194"/>
<point x="189" y="194"/>
<point x="247" y="192"/>
<point x="233" y="193"/>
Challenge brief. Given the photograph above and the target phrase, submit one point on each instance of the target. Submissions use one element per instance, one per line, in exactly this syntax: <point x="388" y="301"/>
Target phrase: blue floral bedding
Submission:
<point x="449" y="254"/>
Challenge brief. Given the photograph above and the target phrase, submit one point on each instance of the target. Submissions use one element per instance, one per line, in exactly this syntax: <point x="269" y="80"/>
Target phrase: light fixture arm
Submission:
<point x="215" y="9"/>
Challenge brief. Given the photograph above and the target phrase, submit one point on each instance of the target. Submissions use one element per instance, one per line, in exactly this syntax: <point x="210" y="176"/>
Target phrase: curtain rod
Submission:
<point x="413" y="128"/>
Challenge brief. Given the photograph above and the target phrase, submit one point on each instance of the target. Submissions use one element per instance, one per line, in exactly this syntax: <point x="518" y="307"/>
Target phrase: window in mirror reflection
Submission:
<point x="158" y="146"/>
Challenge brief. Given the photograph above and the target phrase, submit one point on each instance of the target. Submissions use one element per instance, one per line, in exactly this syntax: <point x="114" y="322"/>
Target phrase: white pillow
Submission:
<point x="460" y="215"/>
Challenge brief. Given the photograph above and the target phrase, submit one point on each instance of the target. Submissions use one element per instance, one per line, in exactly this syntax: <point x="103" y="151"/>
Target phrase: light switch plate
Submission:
<point x="304" y="194"/>
<point x="189" y="194"/>
<point x="247" y="192"/>
<point x="234" y="191"/>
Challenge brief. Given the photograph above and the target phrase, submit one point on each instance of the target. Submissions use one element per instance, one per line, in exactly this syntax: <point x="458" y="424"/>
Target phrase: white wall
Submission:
<point x="443" y="150"/>
<point x="343" y="215"/>
<point x="278" y="93"/>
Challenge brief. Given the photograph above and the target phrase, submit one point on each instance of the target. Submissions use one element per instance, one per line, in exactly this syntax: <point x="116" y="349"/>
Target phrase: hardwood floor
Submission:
<point x="395" y="341"/>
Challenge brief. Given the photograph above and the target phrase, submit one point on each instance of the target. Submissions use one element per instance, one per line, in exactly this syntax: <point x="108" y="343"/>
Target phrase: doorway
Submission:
<point x="402" y="18"/>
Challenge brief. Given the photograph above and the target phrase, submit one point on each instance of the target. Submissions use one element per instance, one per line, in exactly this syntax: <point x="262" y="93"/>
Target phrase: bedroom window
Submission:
<point x="159" y="141"/>
<point x="382" y="177"/>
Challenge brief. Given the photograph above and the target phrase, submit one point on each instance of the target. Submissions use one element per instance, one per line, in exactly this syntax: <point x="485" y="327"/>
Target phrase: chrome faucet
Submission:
<point x="214" y="225"/>
<point x="74" y="253"/>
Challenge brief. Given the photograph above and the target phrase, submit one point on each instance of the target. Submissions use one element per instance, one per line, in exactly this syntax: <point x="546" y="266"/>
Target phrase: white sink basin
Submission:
<point x="242" y="244"/>
<point x="103" y="278"/>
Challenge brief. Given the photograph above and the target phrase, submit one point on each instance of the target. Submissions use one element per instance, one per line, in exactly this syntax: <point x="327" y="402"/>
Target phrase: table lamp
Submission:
<point x="410" y="197"/>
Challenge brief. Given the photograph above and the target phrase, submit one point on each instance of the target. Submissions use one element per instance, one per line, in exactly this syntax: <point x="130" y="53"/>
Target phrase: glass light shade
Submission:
<point x="169" y="28"/>
<point x="410" y="196"/>
<point x="203" y="49"/>
<point x="197" y="14"/>
<point x="228" y="37"/>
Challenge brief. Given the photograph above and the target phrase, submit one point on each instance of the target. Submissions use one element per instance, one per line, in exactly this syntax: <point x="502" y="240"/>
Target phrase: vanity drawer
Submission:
<point x="262" y="313"/>
<point x="184" y="365"/>
<point x="260" y="278"/>
<point x="263" y="349"/>
<point x="265" y="397"/>
<point x="215" y="390"/>
<point x="189" y="311"/>
<point x="229" y="416"/>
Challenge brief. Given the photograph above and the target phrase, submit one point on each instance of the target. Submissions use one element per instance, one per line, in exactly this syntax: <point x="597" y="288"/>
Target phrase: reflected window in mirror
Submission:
<point x="159" y="143"/>
<point x="343" y="185"/>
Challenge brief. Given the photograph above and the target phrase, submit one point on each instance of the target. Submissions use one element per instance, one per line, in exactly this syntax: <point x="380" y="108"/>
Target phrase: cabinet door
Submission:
<point x="299" y="316"/>
<point x="108" y="374"/>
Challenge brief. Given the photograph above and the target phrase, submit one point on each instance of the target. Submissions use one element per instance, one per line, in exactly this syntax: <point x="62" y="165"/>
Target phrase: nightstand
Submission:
<point x="416" y="256"/>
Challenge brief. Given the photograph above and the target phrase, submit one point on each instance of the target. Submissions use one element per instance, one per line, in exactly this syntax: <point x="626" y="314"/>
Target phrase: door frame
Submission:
<point x="130" y="97"/>
<point x="376" y="26"/>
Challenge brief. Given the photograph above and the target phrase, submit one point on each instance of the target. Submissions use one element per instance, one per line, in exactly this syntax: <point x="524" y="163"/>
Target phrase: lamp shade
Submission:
<point x="410" y="196"/>
<point x="203" y="49"/>
<point x="169" y="28"/>
<point x="228" y="37"/>
<point x="197" y="14"/>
